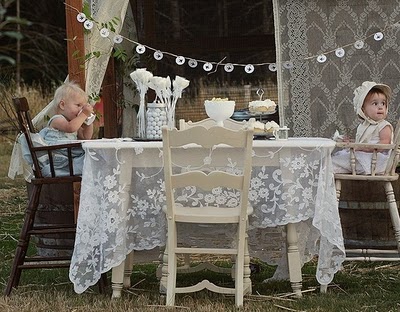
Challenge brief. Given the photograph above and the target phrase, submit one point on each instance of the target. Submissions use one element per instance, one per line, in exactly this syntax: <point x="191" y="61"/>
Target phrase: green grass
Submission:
<point x="357" y="287"/>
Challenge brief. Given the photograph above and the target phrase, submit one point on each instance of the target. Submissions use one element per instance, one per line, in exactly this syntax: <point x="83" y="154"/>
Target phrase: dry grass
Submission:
<point x="36" y="99"/>
<point x="357" y="287"/>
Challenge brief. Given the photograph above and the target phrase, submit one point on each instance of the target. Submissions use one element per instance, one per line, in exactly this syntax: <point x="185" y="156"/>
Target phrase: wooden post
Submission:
<point x="75" y="42"/>
<point x="109" y="96"/>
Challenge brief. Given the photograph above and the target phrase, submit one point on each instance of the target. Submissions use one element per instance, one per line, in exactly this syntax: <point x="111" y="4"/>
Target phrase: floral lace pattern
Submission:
<point x="315" y="99"/>
<point x="122" y="197"/>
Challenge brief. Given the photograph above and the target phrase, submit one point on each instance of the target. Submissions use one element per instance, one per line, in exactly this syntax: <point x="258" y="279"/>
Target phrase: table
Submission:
<point x="292" y="192"/>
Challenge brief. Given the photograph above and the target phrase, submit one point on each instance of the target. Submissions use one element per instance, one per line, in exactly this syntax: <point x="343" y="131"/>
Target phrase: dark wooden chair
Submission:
<point x="29" y="227"/>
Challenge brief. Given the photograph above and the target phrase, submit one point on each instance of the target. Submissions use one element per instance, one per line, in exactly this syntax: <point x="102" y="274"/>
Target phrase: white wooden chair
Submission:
<point x="176" y="213"/>
<point x="387" y="177"/>
<point x="187" y="266"/>
<point x="208" y="122"/>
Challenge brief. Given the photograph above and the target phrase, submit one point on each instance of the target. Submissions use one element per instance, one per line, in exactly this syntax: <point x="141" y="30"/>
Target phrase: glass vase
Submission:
<point x="171" y="118"/>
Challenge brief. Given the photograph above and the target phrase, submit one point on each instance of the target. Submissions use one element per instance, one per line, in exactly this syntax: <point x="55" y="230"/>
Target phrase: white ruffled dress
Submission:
<point x="341" y="159"/>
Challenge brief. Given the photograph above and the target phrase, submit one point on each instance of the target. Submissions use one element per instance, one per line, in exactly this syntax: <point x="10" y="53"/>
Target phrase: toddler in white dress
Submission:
<point x="371" y="105"/>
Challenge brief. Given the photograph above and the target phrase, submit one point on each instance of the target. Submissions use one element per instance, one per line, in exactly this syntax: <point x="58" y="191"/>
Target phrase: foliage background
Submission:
<point x="43" y="45"/>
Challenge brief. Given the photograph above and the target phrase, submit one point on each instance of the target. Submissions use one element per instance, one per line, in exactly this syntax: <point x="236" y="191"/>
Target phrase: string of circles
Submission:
<point x="228" y="67"/>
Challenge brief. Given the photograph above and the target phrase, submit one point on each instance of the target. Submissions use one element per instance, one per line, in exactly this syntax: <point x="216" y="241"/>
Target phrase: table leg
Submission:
<point x="294" y="263"/>
<point x="121" y="274"/>
<point x="117" y="278"/>
<point x="128" y="270"/>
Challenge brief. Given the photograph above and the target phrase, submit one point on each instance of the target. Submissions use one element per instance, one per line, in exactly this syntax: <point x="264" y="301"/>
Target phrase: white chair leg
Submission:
<point x="338" y="186"/>
<point x="164" y="272"/>
<point x="394" y="213"/>
<point x="172" y="265"/>
<point x="239" y="281"/>
<point x="161" y="263"/>
<point x="186" y="259"/>
<point x="246" y="278"/>
<point x="171" y="279"/>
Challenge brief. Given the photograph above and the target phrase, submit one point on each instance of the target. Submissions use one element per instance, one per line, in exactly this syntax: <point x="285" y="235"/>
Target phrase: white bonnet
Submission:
<point x="361" y="92"/>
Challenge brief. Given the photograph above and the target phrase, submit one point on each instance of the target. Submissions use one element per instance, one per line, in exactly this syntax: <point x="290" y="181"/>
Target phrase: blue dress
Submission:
<point x="53" y="136"/>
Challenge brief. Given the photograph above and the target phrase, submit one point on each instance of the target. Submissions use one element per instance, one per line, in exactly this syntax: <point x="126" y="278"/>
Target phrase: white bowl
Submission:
<point x="219" y="110"/>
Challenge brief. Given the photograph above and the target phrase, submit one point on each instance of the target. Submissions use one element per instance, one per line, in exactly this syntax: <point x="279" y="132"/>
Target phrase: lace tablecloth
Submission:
<point x="122" y="196"/>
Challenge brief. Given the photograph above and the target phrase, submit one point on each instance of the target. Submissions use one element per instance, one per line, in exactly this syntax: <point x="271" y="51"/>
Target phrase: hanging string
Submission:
<point x="208" y="66"/>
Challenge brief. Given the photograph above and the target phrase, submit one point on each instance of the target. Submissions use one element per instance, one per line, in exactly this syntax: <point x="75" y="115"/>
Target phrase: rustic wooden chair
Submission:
<point x="386" y="177"/>
<point x="30" y="226"/>
<point x="176" y="213"/>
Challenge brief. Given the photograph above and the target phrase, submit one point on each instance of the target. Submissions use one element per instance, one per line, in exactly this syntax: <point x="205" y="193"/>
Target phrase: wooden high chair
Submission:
<point x="386" y="178"/>
<point x="30" y="227"/>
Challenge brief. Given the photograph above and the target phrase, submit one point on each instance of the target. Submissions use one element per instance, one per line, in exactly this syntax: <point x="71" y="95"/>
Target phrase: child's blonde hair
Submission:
<point x="65" y="90"/>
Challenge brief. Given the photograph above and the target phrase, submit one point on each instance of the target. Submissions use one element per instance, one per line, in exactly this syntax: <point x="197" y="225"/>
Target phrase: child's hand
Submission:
<point x="347" y="139"/>
<point x="87" y="110"/>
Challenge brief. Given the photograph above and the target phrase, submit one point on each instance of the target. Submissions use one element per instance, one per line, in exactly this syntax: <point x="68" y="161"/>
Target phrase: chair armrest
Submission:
<point x="374" y="150"/>
<point x="66" y="150"/>
<point x="358" y="146"/>
<point x="57" y="147"/>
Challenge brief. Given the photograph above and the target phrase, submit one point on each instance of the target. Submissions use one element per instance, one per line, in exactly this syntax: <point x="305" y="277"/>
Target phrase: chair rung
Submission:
<point x="349" y="176"/>
<point x="205" y="284"/>
<point x="220" y="251"/>
<point x="366" y="251"/>
<point x="369" y="258"/>
<point x="57" y="180"/>
<point x="55" y="226"/>
<point x="51" y="259"/>
<point x="45" y="263"/>
<point x="54" y="247"/>
<point x="52" y="229"/>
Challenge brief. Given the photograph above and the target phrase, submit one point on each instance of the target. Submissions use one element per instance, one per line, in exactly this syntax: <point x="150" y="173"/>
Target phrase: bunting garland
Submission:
<point x="106" y="31"/>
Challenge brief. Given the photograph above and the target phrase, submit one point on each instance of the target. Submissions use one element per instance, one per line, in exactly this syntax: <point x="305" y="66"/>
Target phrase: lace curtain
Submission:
<point x="102" y="11"/>
<point x="316" y="98"/>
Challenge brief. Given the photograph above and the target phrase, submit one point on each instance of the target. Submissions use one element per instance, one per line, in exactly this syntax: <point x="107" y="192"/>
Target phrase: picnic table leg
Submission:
<point x="294" y="263"/>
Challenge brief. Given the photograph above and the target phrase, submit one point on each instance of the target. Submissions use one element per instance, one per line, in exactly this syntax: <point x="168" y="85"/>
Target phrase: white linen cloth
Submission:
<point x="122" y="197"/>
